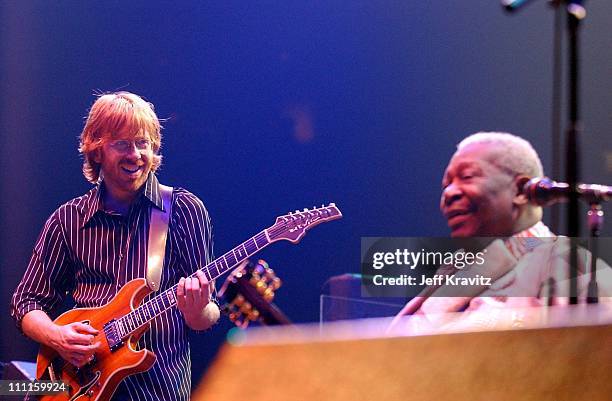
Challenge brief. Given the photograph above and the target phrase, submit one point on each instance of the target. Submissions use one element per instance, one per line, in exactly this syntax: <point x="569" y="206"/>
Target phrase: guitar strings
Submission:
<point x="273" y="232"/>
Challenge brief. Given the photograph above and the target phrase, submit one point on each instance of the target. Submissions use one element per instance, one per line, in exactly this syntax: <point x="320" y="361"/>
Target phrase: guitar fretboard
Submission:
<point x="129" y="323"/>
<point x="290" y="227"/>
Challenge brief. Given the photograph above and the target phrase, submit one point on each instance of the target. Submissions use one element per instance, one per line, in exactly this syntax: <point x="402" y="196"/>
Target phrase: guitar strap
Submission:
<point x="158" y="232"/>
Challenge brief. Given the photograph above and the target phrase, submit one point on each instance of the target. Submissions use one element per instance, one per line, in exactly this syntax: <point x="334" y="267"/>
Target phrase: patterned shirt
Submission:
<point x="91" y="253"/>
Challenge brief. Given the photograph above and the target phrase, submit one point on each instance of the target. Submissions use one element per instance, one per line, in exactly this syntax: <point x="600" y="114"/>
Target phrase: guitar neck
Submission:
<point x="291" y="227"/>
<point x="157" y="305"/>
<point x="231" y="259"/>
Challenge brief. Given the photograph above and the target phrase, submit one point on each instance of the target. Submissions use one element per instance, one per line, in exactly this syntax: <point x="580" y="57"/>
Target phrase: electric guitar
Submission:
<point x="124" y="319"/>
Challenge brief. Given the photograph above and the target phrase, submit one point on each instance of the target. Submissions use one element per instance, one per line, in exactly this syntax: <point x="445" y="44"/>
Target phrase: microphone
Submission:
<point x="513" y="5"/>
<point x="574" y="7"/>
<point x="543" y="191"/>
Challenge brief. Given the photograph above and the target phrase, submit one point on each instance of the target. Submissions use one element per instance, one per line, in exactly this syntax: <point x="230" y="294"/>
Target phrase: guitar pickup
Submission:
<point x="112" y="335"/>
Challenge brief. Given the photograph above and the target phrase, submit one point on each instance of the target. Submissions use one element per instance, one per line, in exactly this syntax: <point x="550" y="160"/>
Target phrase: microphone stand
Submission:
<point x="575" y="14"/>
<point x="596" y="220"/>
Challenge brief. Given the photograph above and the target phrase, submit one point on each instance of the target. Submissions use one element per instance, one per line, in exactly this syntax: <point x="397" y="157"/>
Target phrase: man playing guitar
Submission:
<point x="91" y="246"/>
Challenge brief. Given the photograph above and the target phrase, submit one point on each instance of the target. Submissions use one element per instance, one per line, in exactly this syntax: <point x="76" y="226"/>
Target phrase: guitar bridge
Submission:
<point x="113" y="337"/>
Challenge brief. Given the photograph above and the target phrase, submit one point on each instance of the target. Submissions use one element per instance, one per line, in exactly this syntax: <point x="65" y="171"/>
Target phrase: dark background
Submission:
<point x="277" y="106"/>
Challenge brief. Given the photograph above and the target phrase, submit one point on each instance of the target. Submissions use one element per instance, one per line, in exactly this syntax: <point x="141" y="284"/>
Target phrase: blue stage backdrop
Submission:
<point x="277" y="106"/>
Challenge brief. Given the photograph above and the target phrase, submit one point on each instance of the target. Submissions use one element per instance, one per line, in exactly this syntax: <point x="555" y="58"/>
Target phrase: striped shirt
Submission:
<point x="91" y="253"/>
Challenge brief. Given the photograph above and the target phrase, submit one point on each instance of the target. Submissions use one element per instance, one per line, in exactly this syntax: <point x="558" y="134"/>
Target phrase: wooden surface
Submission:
<point x="571" y="363"/>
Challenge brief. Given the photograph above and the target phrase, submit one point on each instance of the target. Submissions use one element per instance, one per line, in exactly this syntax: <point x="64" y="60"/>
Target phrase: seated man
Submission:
<point x="482" y="197"/>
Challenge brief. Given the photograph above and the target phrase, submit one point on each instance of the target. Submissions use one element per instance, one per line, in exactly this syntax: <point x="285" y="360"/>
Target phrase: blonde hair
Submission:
<point x="111" y="115"/>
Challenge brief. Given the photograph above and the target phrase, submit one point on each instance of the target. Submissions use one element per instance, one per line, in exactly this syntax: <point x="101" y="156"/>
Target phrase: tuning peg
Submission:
<point x="276" y="283"/>
<point x="258" y="270"/>
<point x="253" y="315"/>
<point x="268" y="295"/>
<point x="261" y="287"/>
<point x="239" y="300"/>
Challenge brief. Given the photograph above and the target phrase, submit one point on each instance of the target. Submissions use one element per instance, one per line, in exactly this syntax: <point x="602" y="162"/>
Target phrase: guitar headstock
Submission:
<point x="248" y="295"/>
<point x="293" y="226"/>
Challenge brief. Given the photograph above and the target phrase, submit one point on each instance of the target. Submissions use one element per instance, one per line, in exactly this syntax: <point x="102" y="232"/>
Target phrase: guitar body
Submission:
<point x="98" y="380"/>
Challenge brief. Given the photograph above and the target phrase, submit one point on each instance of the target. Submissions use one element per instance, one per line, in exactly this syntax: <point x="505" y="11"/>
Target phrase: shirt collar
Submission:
<point x="150" y="192"/>
<point x="92" y="204"/>
<point x="537" y="230"/>
<point x="527" y="240"/>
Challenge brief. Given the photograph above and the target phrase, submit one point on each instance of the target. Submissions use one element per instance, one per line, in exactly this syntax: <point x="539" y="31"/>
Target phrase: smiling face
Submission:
<point x="115" y="116"/>
<point x="125" y="162"/>
<point x="478" y="197"/>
